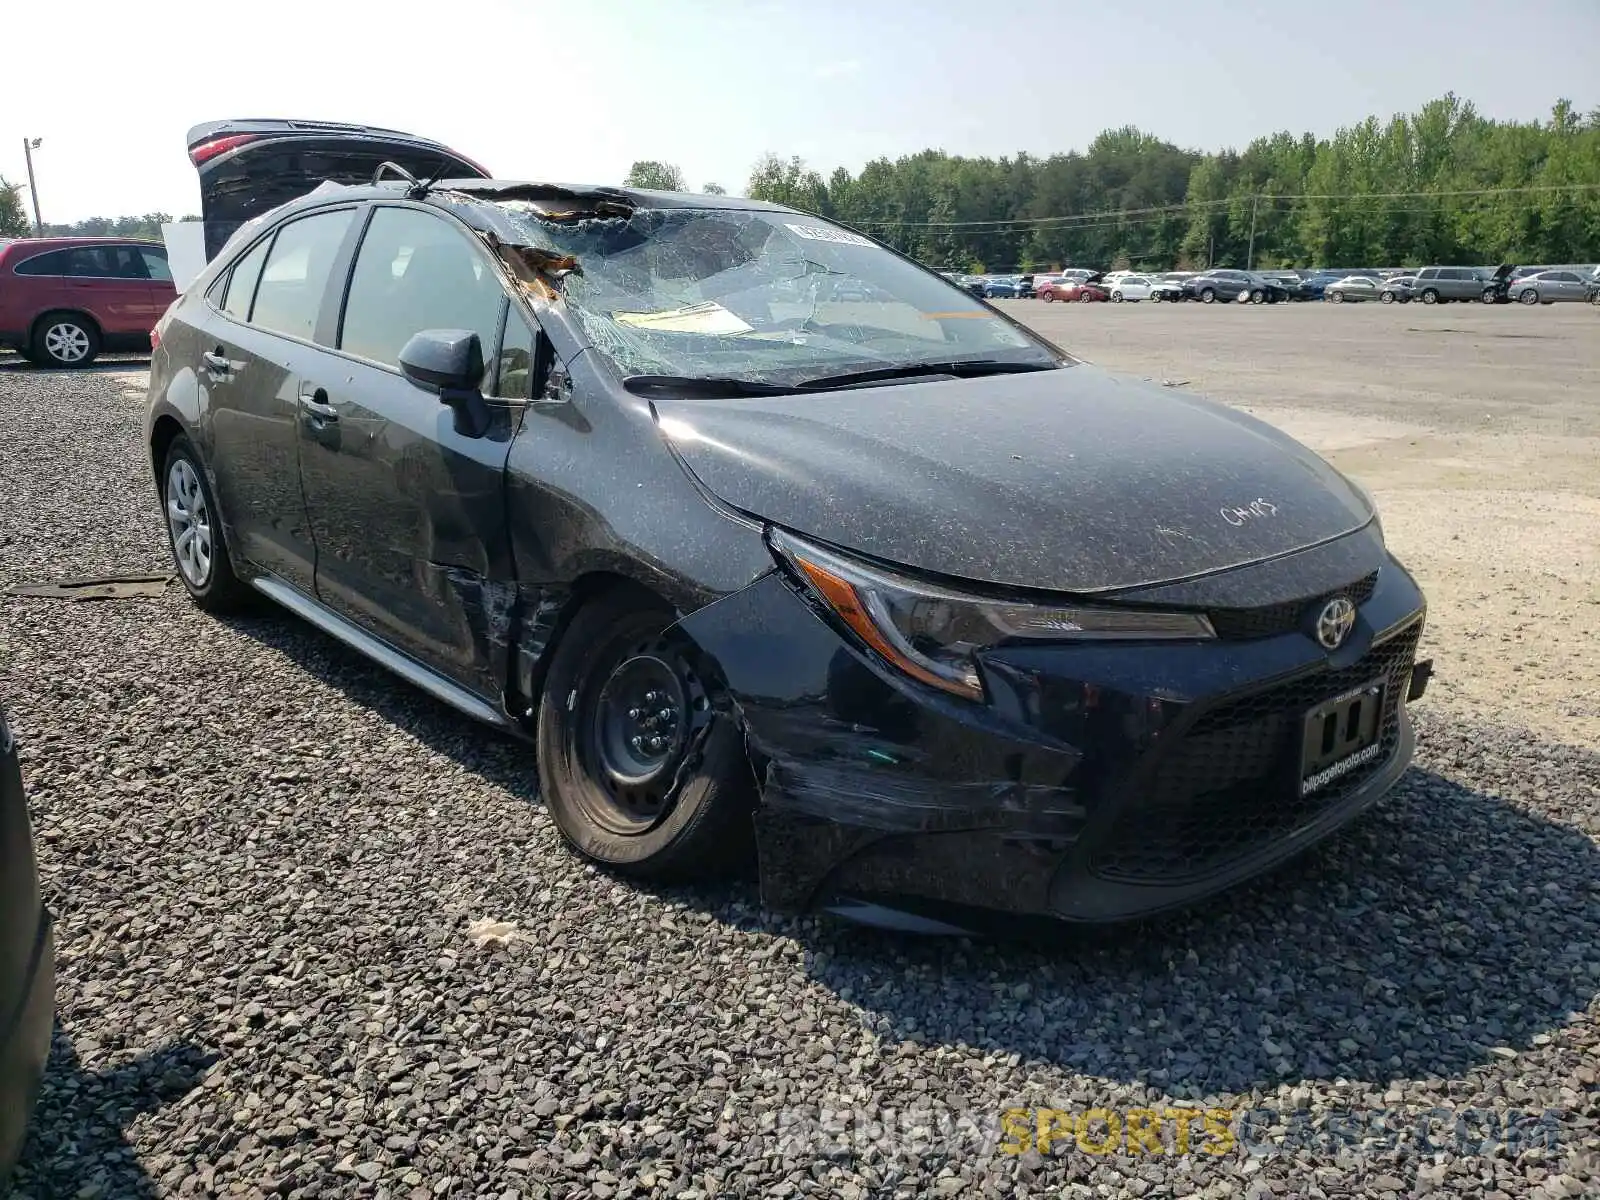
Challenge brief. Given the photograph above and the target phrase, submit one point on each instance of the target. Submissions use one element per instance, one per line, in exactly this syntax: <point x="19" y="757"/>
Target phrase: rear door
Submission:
<point x="111" y="283"/>
<point x="257" y="347"/>
<point x="248" y="168"/>
<point x="409" y="516"/>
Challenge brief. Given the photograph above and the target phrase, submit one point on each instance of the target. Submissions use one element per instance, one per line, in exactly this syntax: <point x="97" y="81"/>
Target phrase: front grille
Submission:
<point x="1238" y="624"/>
<point x="1231" y="783"/>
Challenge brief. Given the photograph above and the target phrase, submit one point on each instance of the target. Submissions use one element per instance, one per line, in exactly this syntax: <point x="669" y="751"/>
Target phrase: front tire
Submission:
<point x="194" y="533"/>
<point x="1429" y="296"/>
<point x="1529" y="296"/>
<point x="1116" y="297"/>
<point x="1209" y="296"/>
<point x="1258" y="297"/>
<point x="1386" y="297"/>
<point x="1336" y="297"/>
<point x="639" y="770"/>
<point x="64" y="340"/>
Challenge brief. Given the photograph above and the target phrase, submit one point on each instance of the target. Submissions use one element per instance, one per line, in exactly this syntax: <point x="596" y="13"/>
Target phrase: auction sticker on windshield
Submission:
<point x="708" y="318"/>
<point x="818" y="233"/>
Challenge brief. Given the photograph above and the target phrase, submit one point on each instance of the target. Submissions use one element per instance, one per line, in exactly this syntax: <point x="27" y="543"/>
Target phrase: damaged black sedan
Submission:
<point x="762" y="533"/>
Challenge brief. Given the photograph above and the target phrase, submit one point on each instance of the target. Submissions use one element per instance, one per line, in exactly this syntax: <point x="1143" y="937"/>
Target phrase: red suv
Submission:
<point x="63" y="300"/>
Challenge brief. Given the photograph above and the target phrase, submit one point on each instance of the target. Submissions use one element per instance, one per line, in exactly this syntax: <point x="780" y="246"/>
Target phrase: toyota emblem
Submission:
<point x="1335" y="621"/>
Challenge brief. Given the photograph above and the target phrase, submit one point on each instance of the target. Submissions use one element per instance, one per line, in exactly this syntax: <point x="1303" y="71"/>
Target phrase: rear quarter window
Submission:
<point x="53" y="262"/>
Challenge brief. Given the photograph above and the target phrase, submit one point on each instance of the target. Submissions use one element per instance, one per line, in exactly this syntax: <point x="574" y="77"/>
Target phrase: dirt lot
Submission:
<point x="1477" y="429"/>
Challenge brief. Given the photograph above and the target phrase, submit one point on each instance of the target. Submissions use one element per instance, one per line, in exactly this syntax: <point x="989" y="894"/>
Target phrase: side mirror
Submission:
<point x="449" y="362"/>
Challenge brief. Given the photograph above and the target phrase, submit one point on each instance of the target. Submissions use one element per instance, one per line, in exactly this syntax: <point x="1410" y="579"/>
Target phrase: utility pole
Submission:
<point x="1250" y="254"/>
<point x="29" y="145"/>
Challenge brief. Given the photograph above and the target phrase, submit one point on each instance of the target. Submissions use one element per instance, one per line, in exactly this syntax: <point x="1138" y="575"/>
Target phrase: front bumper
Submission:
<point x="1100" y="783"/>
<point x="25" y="1026"/>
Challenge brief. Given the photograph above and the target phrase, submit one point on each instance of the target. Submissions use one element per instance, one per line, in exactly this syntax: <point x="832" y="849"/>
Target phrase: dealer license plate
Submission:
<point x="1341" y="735"/>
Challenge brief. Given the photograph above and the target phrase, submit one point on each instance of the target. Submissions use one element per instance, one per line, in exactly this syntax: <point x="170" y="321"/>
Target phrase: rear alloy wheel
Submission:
<point x="1085" y="297"/>
<point x="1336" y="297"/>
<point x="1386" y="297"/>
<point x="1116" y="297"/>
<point x="64" y="340"/>
<point x="195" y="533"/>
<point x="1208" y="296"/>
<point x="1529" y="296"/>
<point x="639" y="770"/>
<point x="1429" y="296"/>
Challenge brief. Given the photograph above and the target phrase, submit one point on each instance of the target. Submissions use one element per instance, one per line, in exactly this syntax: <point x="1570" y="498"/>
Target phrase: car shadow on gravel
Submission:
<point x="77" y="1143"/>
<point x="498" y="757"/>
<point x="104" y="365"/>
<point x="1445" y="930"/>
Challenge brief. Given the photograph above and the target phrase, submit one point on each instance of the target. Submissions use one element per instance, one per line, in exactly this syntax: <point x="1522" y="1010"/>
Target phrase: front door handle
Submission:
<point x="316" y="403"/>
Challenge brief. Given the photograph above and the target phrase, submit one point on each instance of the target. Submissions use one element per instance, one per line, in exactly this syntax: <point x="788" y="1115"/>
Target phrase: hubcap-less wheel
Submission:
<point x="66" y="342"/>
<point x="643" y="722"/>
<point x="190" y="522"/>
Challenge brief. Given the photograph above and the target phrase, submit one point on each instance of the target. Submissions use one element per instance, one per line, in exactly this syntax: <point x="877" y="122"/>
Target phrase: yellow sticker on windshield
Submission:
<point x="707" y="318"/>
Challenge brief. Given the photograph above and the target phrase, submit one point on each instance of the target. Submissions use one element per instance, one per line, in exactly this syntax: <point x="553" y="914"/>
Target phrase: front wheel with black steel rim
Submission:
<point x="64" y="340"/>
<point x="195" y="533"/>
<point x="639" y="768"/>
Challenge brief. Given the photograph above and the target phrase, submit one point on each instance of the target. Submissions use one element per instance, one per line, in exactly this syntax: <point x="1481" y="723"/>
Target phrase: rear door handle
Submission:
<point x="217" y="360"/>
<point x="316" y="403"/>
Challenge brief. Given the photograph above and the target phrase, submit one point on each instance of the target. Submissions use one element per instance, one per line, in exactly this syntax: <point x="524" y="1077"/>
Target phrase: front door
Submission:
<point x="252" y="359"/>
<point x="409" y="515"/>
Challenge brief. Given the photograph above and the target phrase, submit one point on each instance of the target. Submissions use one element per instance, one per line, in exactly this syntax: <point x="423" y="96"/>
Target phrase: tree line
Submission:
<point x="15" y="221"/>
<point x="1443" y="184"/>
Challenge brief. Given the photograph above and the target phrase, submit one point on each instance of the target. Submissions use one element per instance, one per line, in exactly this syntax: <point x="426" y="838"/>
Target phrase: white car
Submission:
<point x="1130" y="287"/>
<point x="1352" y="287"/>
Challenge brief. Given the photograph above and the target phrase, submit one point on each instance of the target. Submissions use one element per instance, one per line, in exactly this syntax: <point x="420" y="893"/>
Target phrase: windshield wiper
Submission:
<point x="961" y="368"/>
<point x="697" y="385"/>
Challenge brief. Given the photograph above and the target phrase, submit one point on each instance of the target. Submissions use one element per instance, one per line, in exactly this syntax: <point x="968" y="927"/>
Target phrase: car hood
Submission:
<point x="1069" y="480"/>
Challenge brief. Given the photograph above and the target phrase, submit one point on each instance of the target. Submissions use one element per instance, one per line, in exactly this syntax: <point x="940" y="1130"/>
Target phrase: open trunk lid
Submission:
<point x="249" y="167"/>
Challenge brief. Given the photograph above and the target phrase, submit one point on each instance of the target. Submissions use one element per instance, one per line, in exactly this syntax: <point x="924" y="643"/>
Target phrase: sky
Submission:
<point x="576" y="91"/>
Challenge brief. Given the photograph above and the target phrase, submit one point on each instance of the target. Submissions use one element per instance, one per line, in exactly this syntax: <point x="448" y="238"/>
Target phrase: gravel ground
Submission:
<point x="278" y="875"/>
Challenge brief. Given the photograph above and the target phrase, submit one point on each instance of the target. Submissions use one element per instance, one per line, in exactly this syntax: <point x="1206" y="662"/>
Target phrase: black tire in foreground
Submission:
<point x="63" y="339"/>
<point x="638" y="769"/>
<point x="194" y="533"/>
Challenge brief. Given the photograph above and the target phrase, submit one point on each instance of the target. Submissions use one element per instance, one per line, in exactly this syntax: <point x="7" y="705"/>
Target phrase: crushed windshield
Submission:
<point x="764" y="297"/>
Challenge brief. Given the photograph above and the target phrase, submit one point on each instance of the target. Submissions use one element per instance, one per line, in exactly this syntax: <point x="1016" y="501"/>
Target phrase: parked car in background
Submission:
<point x="27" y="962"/>
<point x="64" y="300"/>
<point x="1352" y="288"/>
<point x="1226" y="283"/>
<point x="998" y="287"/>
<point x="1131" y="287"/>
<point x="1550" y="287"/>
<point x="1397" y="289"/>
<point x="1169" y="285"/>
<point x="1495" y="286"/>
<point x="1089" y="290"/>
<point x="582" y="526"/>
<point x="1439" y="285"/>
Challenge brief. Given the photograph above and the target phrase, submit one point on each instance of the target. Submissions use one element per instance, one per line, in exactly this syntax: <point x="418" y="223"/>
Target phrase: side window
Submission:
<point x="124" y="262"/>
<point x="54" y="263"/>
<point x="515" y="377"/>
<point x="1565" y="277"/>
<point x="155" y="263"/>
<point x="242" y="282"/>
<point x="415" y="272"/>
<point x="296" y="273"/>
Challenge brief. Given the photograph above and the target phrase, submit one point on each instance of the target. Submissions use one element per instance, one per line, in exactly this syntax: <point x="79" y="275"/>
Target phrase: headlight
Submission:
<point x="933" y="634"/>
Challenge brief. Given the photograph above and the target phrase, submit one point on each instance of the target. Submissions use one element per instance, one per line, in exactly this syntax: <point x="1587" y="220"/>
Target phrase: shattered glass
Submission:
<point x="757" y="296"/>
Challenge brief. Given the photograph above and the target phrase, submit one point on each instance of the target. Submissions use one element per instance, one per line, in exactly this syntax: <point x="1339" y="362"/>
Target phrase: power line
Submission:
<point x="1071" y="220"/>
